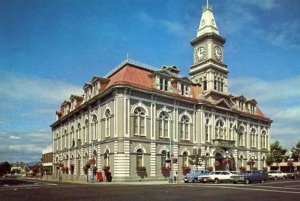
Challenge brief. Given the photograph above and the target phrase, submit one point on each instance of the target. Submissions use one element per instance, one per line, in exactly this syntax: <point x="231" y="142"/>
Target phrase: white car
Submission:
<point x="276" y="174"/>
<point x="217" y="176"/>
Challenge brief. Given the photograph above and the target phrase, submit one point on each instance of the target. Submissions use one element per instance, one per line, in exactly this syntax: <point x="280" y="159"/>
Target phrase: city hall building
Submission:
<point x="139" y="118"/>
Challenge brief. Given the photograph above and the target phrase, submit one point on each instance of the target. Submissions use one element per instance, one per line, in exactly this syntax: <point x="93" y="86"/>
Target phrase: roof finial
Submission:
<point x="127" y="56"/>
<point x="207" y="4"/>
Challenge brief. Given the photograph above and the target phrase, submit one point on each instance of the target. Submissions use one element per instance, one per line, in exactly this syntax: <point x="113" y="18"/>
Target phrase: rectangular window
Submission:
<point x="160" y="128"/>
<point x="142" y="132"/>
<point x="181" y="130"/>
<point x="206" y="133"/>
<point x="136" y="125"/>
<point x="166" y="128"/>
<point x="186" y="132"/>
<point x="139" y="160"/>
<point x="163" y="84"/>
<point x="205" y="85"/>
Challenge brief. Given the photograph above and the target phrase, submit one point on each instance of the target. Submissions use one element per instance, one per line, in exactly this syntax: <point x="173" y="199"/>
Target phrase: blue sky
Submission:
<point x="49" y="49"/>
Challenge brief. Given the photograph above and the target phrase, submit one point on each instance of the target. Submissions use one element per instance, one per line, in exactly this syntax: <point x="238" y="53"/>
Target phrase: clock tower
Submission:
<point x="208" y="68"/>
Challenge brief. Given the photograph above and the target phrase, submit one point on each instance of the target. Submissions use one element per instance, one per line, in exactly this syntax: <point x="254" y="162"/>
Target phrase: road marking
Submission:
<point x="250" y="189"/>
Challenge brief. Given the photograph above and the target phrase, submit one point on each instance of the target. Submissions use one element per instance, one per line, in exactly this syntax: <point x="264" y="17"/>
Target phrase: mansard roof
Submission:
<point x="142" y="77"/>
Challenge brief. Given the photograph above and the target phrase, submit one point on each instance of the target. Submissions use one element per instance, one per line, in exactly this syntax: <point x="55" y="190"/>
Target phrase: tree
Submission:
<point x="277" y="151"/>
<point x="296" y="152"/>
<point x="5" y="168"/>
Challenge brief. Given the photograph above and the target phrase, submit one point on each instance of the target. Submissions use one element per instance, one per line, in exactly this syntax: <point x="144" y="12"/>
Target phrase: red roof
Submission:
<point x="133" y="75"/>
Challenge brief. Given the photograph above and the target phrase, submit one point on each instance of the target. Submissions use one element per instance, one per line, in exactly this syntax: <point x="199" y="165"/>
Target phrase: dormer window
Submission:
<point x="241" y="105"/>
<point x="252" y="109"/>
<point x="163" y="84"/>
<point x="184" y="90"/>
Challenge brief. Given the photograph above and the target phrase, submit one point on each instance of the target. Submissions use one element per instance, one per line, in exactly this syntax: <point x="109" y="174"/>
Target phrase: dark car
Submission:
<point x="293" y="175"/>
<point x="249" y="177"/>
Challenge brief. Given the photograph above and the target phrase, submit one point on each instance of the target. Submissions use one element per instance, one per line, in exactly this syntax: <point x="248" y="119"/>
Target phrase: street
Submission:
<point x="271" y="190"/>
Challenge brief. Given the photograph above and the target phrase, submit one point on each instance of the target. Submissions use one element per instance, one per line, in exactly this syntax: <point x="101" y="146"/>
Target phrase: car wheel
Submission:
<point x="295" y="177"/>
<point x="234" y="182"/>
<point x="284" y="178"/>
<point x="262" y="181"/>
<point x="195" y="180"/>
<point x="247" y="181"/>
<point x="216" y="180"/>
<point x="275" y="178"/>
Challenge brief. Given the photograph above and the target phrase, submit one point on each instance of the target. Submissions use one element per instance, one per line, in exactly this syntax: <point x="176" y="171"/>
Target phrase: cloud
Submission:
<point x="14" y="149"/>
<point x="279" y="100"/>
<point x="284" y="35"/>
<point x="14" y="137"/>
<point x="174" y="27"/>
<point x="268" y="91"/>
<point x="41" y="90"/>
<point x="263" y="4"/>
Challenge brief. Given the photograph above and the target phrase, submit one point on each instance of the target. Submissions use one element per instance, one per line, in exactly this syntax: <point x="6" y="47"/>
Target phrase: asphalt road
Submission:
<point x="287" y="190"/>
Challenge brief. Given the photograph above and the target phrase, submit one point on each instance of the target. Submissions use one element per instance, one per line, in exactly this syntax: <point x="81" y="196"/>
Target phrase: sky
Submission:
<point x="50" y="48"/>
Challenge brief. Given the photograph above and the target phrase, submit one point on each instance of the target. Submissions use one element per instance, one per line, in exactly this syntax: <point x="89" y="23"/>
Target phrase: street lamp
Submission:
<point x="290" y="162"/>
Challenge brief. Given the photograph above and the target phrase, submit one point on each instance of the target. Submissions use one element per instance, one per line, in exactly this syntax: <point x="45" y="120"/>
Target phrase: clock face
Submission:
<point x="200" y="53"/>
<point x="218" y="53"/>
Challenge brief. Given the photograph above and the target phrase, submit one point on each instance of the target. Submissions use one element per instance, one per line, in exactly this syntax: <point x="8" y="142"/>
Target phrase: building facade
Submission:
<point x="139" y="119"/>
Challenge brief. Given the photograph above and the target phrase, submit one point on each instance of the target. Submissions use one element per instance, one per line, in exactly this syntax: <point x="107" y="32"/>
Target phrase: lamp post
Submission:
<point x="170" y="158"/>
<point x="290" y="162"/>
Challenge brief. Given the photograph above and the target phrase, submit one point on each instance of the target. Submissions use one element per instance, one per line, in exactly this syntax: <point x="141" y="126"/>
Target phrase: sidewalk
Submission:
<point x="75" y="181"/>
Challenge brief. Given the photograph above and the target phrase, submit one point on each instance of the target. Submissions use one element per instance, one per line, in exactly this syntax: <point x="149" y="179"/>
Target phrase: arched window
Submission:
<point x="94" y="127"/>
<point x="95" y="157"/>
<point x="207" y="129"/>
<point x="107" y="123"/>
<point x="86" y="131"/>
<point x="163" y="125"/>
<point x="185" y="160"/>
<point x="241" y="136"/>
<point x="72" y="137"/>
<point x="219" y="129"/>
<point x="163" y="158"/>
<point x="139" y="121"/>
<point x="230" y="133"/>
<point x="184" y="127"/>
<point x="57" y="141"/>
<point x="66" y="139"/>
<point x="78" y="134"/>
<point x="252" y="137"/>
<point x="263" y="139"/>
<point x="139" y="158"/>
<point x="106" y="158"/>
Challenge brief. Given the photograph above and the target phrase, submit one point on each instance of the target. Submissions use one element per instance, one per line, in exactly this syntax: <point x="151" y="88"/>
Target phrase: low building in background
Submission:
<point x="47" y="161"/>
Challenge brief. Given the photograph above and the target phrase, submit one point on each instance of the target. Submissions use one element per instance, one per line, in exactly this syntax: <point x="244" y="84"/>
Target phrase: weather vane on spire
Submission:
<point x="207" y="7"/>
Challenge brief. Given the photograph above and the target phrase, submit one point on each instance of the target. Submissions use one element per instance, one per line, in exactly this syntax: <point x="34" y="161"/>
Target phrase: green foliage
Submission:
<point x="5" y="168"/>
<point x="296" y="152"/>
<point x="277" y="152"/>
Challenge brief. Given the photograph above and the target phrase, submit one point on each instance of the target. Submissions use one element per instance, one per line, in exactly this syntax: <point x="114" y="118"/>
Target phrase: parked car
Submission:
<point x="276" y="174"/>
<point x="250" y="177"/>
<point x="217" y="176"/>
<point x="293" y="175"/>
<point x="193" y="176"/>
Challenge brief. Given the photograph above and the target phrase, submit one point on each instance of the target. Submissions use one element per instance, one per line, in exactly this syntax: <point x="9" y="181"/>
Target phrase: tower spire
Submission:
<point x="207" y="22"/>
